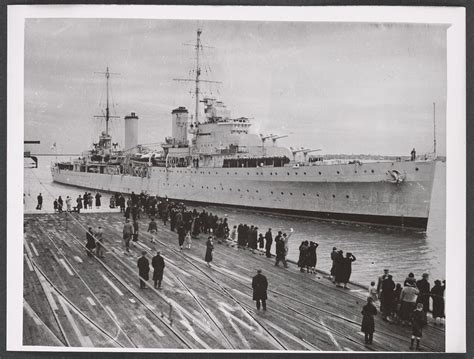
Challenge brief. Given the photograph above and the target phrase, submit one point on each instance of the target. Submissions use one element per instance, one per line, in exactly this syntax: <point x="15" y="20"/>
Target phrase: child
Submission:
<point x="187" y="240"/>
<point x="373" y="292"/>
<point x="417" y="318"/>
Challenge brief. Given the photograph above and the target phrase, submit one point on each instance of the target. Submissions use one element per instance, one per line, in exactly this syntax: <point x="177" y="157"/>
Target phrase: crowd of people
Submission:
<point x="59" y="205"/>
<point x="407" y="305"/>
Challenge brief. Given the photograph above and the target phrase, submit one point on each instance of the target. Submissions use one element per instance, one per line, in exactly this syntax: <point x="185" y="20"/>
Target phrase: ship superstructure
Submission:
<point x="217" y="159"/>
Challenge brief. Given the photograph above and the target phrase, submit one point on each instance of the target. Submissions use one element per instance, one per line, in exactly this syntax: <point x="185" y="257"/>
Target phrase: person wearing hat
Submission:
<point x="417" y="325"/>
<point x="268" y="243"/>
<point x="259" y="286"/>
<point x="143" y="269"/>
<point x="424" y="297"/>
<point x="158" y="264"/>
<point x="380" y="280"/>
<point x="280" y="250"/>
<point x="368" y="324"/>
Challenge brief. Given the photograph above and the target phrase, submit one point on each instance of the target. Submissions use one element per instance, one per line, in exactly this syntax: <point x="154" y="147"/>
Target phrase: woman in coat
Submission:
<point x="437" y="293"/>
<point x="97" y="199"/>
<point x="302" y="258"/>
<point x="347" y="268"/>
<point x="90" y="245"/>
<point x="368" y="323"/>
<point x="311" y="258"/>
<point x="79" y="204"/>
<point x="209" y="248"/>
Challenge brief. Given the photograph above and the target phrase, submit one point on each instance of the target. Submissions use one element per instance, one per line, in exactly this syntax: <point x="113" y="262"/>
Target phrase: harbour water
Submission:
<point x="375" y="248"/>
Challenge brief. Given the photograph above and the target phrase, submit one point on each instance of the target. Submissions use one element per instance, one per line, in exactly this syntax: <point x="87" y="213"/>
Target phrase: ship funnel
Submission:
<point x="131" y="131"/>
<point x="179" y="132"/>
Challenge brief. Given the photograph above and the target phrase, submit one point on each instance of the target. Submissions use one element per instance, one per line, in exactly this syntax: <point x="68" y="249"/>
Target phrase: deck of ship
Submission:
<point x="73" y="300"/>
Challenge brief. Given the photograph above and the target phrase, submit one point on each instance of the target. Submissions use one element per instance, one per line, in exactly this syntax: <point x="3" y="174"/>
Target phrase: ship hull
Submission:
<point x="362" y="193"/>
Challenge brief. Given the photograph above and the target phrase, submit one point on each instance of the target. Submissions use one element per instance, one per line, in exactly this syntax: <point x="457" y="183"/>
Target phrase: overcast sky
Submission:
<point x="342" y="87"/>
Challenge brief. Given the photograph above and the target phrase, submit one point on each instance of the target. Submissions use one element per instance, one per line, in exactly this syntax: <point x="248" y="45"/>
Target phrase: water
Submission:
<point x="375" y="248"/>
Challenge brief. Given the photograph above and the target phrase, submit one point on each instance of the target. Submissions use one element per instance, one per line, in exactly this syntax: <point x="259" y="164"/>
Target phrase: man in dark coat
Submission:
<point x="260" y="285"/>
<point x="387" y="288"/>
<point x="424" y="297"/>
<point x="40" y="201"/>
<point x="97" y="199"/>
<point x="268" y="242"/>
<point x="280" y="250"/>
<point x="90" y="245"/>
<point x="143" y="269"/>
<point x="158" y="264"/>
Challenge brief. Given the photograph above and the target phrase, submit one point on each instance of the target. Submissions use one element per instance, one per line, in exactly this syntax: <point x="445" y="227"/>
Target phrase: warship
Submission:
<point x="224" y="163"/>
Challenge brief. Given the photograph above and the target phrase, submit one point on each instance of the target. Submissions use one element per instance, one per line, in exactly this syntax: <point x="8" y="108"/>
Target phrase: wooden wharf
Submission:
<point x="71" y="299"/>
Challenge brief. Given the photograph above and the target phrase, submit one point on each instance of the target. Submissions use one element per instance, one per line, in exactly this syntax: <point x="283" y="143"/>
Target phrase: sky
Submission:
<point x="353" y="88"/>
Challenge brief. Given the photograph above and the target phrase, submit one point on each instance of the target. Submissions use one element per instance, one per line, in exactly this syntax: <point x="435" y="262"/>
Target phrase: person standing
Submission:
<point x="100" y="250"/>
<point x="413" y="154"/>
<point x="368" y="323"/>
<point x="261" y="241"/>
<point x="268" y="243"/>
<point x="158" y="264"/>
<point x="437" y="293"/>
<point x="380" y="280"/>
<point x="423" y="286"/>
<point x="347" y="268"/>
<point x="55" y="205"/>
<point x="387" y="297"/>
<point x="68" y="203"/>
<point x="152" y="229"/>
<point x="85" y="199"/>
<point x="79" y="204"/>
<point x="89" y="200"/>
<point x="233" y="234"/>
<point x="332" y="272"/>
<point x="259" y="286"/>
<point x="280" y="250"/>
<point x="60" y="204"/>
<point x="209" y="249"/>
<point x="97" y="200"/>
<point x="417" y="325"/>
<point x="187" y="240"/>
<point x="90" y="244"/>
<point x="303" y="248"/>
<point x="135" y="231"/>
<point x="373" y="291"/>
<point x="127" y="235"/>
<point x="181" y="235"/>
<point x="39" y="202"/>
<point x="143" y="269"/>
<point x="311" y="257"/>
<point x="408" y="302"/>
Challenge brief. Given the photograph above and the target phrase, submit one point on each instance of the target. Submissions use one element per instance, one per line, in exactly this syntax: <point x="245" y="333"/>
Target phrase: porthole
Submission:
<point x="347" y="196"/>
<point x="338" y="172"/>
<point x="248" y="191"/>
<point x="333" y="196"/>
<point x="304" y="194"/>
<point x="214" y="187"/>
<point x="291" y="194"/>
<point x="207" y="187"/>
<point x="319" y="173"/>
<point x="256" y="191"/>
<point x="372" y="171"/>
<point x="416" y="169"/>
<point x="365" y="171"/>
<point x="238" y="190"/>
<point x="202" y="187"/>
<point x="288" y="173"/>
<point x="355" y="171"/>
<point x="248" y="173"/>
<point x="227" y="172"/>
<point x="209" y="172"/>
<point x="282" y="193"/>
<point x="296" y="173"/>
<point x="317" y="194"/>
<point x="271" y="174"/>
<point x="230" y="189"/>
<point x="235" y="172"/>
<point x="304" y="173"/>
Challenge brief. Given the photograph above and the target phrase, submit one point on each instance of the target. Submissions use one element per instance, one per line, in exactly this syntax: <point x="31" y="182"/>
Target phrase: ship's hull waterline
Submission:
<point x="364" y="193"/>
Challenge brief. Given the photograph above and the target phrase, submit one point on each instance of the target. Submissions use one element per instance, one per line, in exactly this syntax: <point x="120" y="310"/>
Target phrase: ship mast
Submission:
<point x="198" y="47"/>
<point x="107" y="111"/>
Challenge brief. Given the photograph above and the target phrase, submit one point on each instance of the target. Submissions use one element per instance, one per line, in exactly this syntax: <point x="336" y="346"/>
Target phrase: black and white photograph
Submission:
<point x="210" y="179"/>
